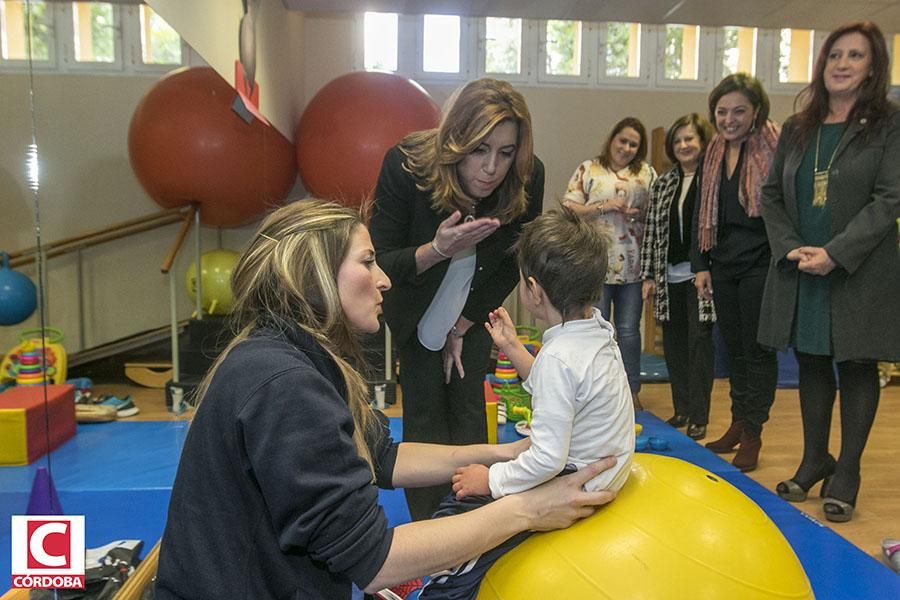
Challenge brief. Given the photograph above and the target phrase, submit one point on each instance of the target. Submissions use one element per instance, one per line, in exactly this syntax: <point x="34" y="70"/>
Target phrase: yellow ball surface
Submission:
<point x="215" y="283"/>
<point x="674" y="531"/>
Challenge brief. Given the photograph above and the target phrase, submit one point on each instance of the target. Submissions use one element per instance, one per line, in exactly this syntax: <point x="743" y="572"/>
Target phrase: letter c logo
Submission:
<point x="36" y="544"/>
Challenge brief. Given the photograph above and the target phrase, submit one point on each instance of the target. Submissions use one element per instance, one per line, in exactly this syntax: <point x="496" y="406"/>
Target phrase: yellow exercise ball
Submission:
<point x="215" y="280"/>
<point x="674" y="531"/>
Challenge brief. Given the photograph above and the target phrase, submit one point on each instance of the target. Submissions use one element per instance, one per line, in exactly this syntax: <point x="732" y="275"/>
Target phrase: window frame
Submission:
<point x="67" y="41"/>
<point x="360" y="38"/>
<point x="705" y="60"/>
<point x="53" y="61"/>
<point x="773" y="83"/>
<point x="719" y="60"/>
<point x="527" y="43"/>
<point x="588" y="47"/>
<point x="647" y="46"/>
<point x="127" y="47"/>
<point x="465" y="52"/>
<point x="136" y="47"/>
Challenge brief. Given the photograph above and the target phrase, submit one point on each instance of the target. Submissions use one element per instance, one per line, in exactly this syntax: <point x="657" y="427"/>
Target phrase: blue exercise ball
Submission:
<point x="18" y="296"/>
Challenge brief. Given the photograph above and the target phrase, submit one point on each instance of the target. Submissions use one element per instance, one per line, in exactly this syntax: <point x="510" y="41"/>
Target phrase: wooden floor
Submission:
<point x="878" y="511"/>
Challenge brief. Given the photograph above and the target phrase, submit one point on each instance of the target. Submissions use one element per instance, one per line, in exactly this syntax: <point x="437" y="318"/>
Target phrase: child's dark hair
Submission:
<point x="567" y="256"/>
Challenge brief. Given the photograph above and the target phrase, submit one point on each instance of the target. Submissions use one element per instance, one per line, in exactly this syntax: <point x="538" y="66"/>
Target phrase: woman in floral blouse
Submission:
<point x="612" y="191"/>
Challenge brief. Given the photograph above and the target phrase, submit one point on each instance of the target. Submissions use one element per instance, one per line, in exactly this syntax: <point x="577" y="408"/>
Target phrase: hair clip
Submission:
<point x="269" y="237"/>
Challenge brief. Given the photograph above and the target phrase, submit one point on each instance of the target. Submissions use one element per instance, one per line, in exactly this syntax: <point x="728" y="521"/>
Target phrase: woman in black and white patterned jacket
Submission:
<point x="666" y="271"/>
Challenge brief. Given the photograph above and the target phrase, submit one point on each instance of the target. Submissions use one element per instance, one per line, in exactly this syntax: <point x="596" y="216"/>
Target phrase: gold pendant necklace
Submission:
<point x="820" y="178"/>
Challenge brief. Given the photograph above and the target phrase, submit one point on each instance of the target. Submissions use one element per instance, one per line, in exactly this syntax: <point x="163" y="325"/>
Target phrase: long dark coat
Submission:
<point x="864" y="192"/>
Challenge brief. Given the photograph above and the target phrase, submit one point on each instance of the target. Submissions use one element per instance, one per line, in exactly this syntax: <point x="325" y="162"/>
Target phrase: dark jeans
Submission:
<point x="463" y="581"/>
<point x="625" y="314"/>
<point x="860" y="393"/>
<point x="754" y="369"/>
<point x="441" y="413"/>
<point x="688" y="347"/>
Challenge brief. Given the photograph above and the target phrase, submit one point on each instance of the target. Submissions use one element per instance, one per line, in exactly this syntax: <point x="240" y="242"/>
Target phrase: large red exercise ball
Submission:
<point x="216" y="267"/>
<point x="18" y="296"/>
<point x="186" y="144"/>
<point x="348" y="126"/>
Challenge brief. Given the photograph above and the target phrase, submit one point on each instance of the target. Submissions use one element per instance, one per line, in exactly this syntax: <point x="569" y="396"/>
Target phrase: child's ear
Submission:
<point x="535" y="290"/>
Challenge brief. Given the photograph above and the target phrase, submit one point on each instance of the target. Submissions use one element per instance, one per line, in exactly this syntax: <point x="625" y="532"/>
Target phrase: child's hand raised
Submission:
<point x="471" y="481"/>
<point x="502" y="329"/>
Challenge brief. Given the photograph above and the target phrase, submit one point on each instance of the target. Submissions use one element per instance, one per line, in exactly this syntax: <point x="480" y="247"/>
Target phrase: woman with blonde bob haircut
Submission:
<point x="276" y="488"/>
<point x="448" y="206"/>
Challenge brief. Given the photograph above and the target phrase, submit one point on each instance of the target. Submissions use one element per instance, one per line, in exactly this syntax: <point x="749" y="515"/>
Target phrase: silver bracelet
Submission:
<point x="438" y="250"/>
<point x="455" y="332"/>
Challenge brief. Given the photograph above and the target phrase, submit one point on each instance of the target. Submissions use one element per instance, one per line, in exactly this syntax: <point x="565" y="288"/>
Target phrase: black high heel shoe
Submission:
<point x="796" y="490"/>
<point x="837" y="510"/>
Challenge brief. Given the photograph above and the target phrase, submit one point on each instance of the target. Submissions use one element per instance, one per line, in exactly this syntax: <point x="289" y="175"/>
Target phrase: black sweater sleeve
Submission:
<point x="392" y="219"/>
<point x="317" y="490"/>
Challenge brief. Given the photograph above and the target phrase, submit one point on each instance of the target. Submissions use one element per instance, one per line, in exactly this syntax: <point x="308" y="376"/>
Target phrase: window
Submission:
<point x="160" y="44"/>
<point x="795" y="56"/>
<point x="94" y="29"/>
<point x="503" y="46"/>
<point x="14" y="30"/>
<point x="440" y="43"/>
<point x="100" y="37"/>
<point x="380" y="41"/>
<point x="739" y="50"/>
<point x="623" y="49"/>
<point x="563" y="48"/>
<point x="681" y="52"/>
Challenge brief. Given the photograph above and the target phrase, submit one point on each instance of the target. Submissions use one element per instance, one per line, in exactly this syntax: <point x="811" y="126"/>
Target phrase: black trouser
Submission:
<point x="688" y="347"/>
<point x="859" y="402"/>
<point x="754" y="369"/>
<point x="442" y="413"/>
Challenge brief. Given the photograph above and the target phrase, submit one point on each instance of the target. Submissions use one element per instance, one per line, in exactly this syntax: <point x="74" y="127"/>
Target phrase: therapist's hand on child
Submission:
<point x="562" y="500"/>
<point x="471" y="481"/>
<point x="501" y="328"/>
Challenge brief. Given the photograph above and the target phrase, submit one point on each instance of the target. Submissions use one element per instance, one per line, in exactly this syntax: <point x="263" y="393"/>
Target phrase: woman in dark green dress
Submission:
<point x="830" y="206"/>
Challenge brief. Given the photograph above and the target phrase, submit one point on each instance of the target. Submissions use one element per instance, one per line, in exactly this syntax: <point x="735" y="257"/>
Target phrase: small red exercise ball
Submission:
<point x="186" y="144"/>
<point x="349" y="125"/>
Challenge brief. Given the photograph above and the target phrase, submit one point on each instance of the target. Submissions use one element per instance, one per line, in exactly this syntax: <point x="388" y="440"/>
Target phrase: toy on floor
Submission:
<point x="23" y="365"/>
<point x="643" y="442"/>
<point x="890" y="549"/>
<point x="514" y="396"/>
<point x="673" y="526"/>
<point x="505" y="372"/>
<point x="506" y="384"/>
<point x="34" y="421"/>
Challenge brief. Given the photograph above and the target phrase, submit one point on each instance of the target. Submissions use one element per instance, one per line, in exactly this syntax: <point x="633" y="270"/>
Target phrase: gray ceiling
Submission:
<point x="770" y="14"/>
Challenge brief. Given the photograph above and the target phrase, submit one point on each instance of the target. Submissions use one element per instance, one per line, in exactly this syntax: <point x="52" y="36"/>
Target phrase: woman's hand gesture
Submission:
<point x="453" y="236"/>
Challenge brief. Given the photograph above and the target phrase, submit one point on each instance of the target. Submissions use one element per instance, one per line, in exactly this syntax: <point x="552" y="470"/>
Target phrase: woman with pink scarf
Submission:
<point x="730" y="253"/>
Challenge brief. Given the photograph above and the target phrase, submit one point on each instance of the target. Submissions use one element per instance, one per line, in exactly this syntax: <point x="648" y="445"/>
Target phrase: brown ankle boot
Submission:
<point x="747" y="455"/>
<point x="729" y="440"/>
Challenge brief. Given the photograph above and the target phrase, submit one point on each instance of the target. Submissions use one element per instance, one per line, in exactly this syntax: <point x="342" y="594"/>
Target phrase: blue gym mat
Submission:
<point x="119" y="475"/>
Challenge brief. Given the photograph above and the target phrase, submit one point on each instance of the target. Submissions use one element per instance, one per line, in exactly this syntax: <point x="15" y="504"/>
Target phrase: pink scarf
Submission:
<point x="759" y="152"/>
